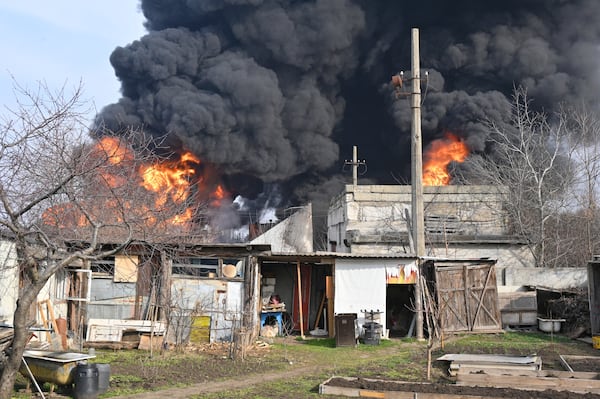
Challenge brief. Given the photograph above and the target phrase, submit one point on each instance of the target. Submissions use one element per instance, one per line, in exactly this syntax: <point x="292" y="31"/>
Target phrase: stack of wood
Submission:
<point x="519" y="372"/>
<point x="480" y="363"/>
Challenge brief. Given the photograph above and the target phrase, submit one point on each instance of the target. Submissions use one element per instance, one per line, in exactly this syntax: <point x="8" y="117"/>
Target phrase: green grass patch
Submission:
<point x="314" y="360"/>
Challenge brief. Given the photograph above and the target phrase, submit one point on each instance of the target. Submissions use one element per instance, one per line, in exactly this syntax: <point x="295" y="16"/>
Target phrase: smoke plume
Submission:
<point x="278" y="91"/>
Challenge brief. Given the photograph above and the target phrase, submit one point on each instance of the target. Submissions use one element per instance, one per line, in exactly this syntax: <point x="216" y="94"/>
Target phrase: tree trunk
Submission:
<point x="21" y="336"/>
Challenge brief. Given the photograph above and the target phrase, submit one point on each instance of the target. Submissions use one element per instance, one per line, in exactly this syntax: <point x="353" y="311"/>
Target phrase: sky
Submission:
<point x="63" y="42"/>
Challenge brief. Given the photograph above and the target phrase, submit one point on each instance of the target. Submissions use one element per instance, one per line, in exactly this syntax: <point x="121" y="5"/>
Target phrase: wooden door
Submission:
<point x="468" y="298"/>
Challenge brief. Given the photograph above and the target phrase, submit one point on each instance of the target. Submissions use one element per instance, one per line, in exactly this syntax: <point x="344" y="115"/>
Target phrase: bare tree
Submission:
<point x="531" y="154"/>
<point x="58" y="187"/>
<point x="576" y="231"/>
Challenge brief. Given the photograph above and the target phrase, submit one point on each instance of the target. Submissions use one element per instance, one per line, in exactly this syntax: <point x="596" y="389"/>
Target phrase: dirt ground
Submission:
<point x="214" y="371"/>
<point x="459" y="390"/>
<point x="194" y="371"/>
<point x="257" y="369"/>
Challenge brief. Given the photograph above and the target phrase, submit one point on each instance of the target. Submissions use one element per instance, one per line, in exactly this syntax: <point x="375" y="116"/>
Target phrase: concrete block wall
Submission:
<point x="558" y="278"/>
<point x="378" y="209"/>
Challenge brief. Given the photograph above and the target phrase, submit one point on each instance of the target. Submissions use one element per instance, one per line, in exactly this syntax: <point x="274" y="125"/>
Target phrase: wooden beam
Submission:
<point x="300" y="298"/>
<point x="578" y="385"/>
<point x="329" y="292"/>
<point x="44" y="322"/>
<point x="319" y="313"/>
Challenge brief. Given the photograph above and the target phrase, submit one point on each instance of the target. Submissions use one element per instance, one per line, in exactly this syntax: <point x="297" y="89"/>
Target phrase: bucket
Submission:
<point x="103" y="377"/>
<point x="596" y="341"/>
<point x="86" y="381"/>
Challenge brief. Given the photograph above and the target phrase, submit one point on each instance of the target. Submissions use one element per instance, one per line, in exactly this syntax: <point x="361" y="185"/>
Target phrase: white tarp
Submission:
<point x="360" y="285"/>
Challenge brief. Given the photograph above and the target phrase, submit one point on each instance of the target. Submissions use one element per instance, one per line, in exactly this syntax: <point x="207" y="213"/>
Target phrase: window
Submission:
<point x="209" y="267"/>
<point x="121" y="268"/>
<point x="199" y="267"/>
<point x="442" y="224"/>
<point x="103" y="267"/>
<point x="75" y="285"/>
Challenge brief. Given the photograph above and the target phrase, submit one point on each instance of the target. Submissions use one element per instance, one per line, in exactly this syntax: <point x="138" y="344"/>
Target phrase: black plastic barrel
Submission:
<point x="103" y="377"/>
<point x="372" y="333"/>
<point x="86" y="381"/>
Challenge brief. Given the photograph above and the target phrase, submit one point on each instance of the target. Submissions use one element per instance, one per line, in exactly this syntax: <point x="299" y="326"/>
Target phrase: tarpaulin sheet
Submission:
<point x="359" y="286"/>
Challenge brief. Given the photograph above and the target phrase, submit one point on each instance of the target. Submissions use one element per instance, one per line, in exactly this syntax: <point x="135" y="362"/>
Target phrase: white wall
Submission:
<point x="558" y="278"/>
<point x="292" y="235"/>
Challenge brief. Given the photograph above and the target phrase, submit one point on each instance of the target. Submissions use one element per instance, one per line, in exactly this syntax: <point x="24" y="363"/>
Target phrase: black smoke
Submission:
<point x="278" y="91"/>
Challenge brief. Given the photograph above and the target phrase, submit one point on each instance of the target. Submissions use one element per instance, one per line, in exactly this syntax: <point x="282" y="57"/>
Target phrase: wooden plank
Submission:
<point x="501" y="369"/>
<point x="112" y="329"/>
<point x="52" y="318"/>
<point x="589" y="375"/>
<point x="365" y="393"/>
<point x="356" y="392"/>
<point x="564" y="362"/>
<point x="580" y="357"/>
<point x="319" y="313"/>
<point x="529" y="383"/>
<point x="44" y="322"/>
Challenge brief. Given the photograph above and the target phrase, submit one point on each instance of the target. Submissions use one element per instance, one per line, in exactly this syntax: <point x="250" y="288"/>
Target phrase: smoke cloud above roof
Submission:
<point x="278" y="91"/>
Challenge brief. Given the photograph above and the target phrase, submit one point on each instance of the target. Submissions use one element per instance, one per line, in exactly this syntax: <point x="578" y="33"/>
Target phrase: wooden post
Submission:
<point x="330" y="315"/>
<point x="300" y="299"/>
<point x="44" y="322"/>
<point x="320" y="312"/>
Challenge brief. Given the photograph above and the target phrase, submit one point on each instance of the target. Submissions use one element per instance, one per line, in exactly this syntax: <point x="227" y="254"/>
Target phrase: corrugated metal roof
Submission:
<point x="343" y="255"/>
<point x="333" y="255"/>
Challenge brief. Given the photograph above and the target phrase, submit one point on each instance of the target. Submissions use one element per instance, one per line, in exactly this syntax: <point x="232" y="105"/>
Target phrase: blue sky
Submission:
<point x="64" y="42"/>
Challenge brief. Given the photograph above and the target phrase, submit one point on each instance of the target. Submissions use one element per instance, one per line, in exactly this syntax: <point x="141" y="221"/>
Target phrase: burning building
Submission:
<point x="460" y="221"/>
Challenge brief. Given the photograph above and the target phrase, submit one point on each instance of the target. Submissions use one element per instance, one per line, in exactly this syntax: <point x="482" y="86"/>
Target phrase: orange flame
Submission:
<point x="116" y="151"/>
<point x="437" y="157"/>
<point x="218" y="195"/>
<point x="169" y="181"/>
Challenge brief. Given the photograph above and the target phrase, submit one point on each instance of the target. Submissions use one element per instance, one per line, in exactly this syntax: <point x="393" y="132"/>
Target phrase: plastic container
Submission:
<point x="103" y="377"/>
<point x="85" y="381"/>
<point x="372" y="333"/>
<point x="596" y="341"/>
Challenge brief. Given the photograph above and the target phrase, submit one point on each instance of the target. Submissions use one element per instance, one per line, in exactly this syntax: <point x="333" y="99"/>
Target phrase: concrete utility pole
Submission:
<point x="418" y="222"/>
<point x="355" y="163"/>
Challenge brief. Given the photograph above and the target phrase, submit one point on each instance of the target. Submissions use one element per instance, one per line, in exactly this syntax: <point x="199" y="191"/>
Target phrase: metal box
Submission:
<point x="346" y="329"/>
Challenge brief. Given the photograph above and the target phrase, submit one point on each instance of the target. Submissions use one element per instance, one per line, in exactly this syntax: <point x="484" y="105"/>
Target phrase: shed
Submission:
<point x="594" y="294"/>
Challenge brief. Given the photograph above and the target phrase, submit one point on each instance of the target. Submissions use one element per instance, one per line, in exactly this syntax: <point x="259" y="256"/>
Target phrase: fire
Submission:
<point x="437" y="157"/>
<point x="168" y="182"/>
<point x="218" y="195"/>
<point x="114" y="150"/>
